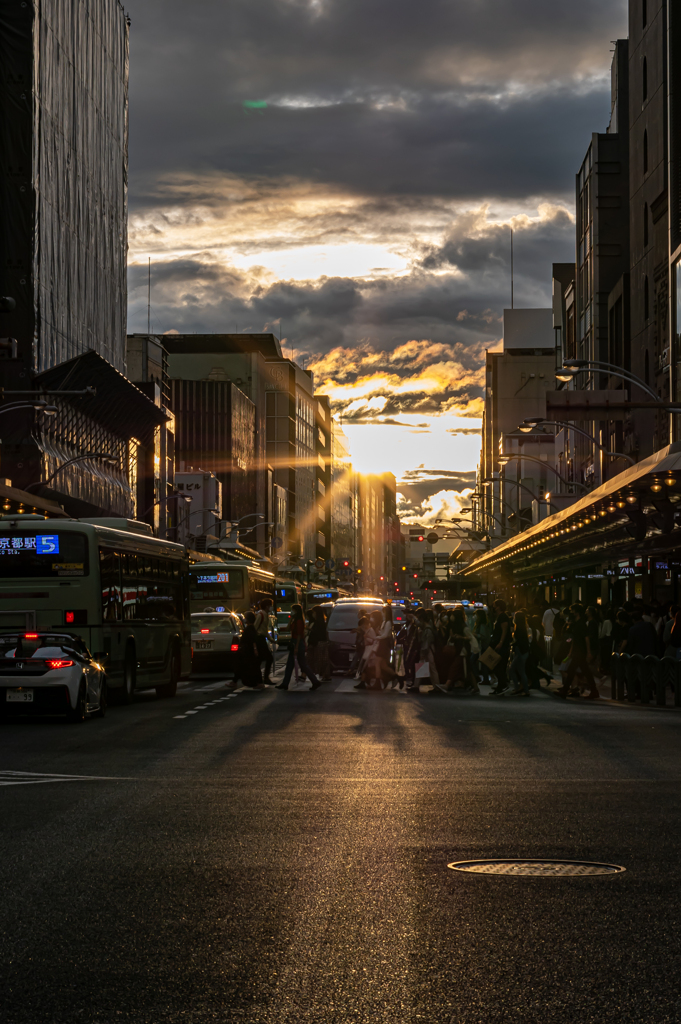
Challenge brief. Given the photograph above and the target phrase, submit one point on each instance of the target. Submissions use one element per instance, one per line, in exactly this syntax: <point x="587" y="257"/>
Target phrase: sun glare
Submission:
<point x="414" y="441"/>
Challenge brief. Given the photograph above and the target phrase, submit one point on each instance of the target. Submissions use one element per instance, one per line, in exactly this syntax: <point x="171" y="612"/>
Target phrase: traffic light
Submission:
<point x="421" y="537"/>
<point x="345" y="564"/>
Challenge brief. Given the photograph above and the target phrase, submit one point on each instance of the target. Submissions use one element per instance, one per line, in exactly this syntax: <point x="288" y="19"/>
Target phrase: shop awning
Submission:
<point x="585" y="515"/>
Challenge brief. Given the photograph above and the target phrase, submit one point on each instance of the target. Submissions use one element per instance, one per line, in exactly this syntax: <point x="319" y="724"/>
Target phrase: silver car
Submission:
<point x="215" y="641"/>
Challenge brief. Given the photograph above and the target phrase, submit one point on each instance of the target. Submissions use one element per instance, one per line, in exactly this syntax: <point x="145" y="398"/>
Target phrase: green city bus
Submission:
<point x="288" y="593"/>
<point x="234" y="586"/>
<point x="107" y="580"/>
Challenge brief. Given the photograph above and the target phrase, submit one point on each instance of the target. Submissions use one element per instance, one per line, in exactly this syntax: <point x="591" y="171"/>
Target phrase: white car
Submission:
<point x="50" y="674"/>
<point x="215" y="641"/>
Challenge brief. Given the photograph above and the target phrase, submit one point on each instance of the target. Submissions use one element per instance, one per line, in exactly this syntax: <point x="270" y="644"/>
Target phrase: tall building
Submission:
<point x="378" y="533"/>
<point x="291" y="436"/>
<point x="517" y="380"/>
<point x="215" y="432"/>
<point x="323" y="478"/>
<point x="343" y="506"/>
<point x="63" y="179"/>
<point x="63" y="250"/>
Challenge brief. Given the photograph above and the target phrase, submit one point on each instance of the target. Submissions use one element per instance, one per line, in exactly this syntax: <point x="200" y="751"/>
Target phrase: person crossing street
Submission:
<point x="297" y="650"/>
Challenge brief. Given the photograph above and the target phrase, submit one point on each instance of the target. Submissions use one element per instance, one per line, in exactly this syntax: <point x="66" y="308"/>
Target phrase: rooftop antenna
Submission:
<point x="511" y="268"/>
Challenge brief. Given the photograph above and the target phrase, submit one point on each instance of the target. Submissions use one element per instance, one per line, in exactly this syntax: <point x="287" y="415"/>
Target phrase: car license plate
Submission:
<point x="204" y="646"/>
<point x="20" y="696"/>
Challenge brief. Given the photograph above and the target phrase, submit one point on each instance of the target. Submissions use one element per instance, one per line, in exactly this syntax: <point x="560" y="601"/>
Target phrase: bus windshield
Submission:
<point x="45" y="553"/>
<point x="216" y="588"/>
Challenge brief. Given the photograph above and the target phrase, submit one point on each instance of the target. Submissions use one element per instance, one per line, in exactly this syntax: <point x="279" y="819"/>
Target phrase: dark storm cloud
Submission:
<point x="460" y="303"/>
<point x="419" y="132"/>
<point x="458" y="98"/>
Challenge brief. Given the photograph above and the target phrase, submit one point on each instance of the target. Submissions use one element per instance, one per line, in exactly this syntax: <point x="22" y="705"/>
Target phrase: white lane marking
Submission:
<point x="8" y="778"/>
<point x="203" y="707"/>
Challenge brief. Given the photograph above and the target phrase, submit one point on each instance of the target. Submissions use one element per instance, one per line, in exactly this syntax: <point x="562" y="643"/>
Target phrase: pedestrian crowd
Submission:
<point x="575" y="643"/>
<point x="458" y="648"/>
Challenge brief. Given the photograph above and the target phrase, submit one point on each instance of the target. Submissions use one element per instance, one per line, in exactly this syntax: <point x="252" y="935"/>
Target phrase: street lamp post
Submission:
<point x="103" y="456"/>
<point x="234" y="526"/>
<point x="527" y="425"/>
<point x="504" y="459"/>
<point x="571" y="367"/>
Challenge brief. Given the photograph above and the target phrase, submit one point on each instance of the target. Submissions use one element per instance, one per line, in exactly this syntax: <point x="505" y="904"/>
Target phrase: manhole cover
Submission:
<point x="543" y="868"/>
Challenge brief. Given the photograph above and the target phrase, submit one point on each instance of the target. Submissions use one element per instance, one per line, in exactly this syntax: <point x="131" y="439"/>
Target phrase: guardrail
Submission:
<point x="634" y="677"/>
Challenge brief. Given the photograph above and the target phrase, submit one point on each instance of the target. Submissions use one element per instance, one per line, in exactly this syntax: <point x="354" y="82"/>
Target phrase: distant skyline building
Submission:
<point x="291" y="444"/>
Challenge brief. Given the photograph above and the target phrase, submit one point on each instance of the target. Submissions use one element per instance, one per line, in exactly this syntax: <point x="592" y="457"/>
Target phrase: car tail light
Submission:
<point x="234" y="647"/>
<point x="59" y="663"/>
<point x="205" y="631"/>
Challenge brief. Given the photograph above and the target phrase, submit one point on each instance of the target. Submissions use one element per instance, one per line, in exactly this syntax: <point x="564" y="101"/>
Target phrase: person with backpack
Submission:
<point x="297" y="650"/>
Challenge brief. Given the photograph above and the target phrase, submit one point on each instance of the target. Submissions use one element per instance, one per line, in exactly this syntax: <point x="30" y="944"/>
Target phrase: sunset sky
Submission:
<point x="346" y="172"/>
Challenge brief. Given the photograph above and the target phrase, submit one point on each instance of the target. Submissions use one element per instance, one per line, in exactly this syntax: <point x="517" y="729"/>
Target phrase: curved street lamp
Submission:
<point x="527" y="425"/>
<point x="504" y="459"/>
<point x="103" y="456"/>
<point x="176" y="494"/>
<point x="571" y="367"/>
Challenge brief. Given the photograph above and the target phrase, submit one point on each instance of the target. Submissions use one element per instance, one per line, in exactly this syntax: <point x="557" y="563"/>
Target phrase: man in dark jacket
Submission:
<point x="641" y="638"/>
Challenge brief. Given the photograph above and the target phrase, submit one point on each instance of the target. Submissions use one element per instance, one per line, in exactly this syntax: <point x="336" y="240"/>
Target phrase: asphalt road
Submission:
<point x="282" y="857"/>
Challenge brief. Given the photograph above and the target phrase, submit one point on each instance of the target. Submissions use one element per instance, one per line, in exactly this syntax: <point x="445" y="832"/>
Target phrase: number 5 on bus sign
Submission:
<point x="47" y="544"/>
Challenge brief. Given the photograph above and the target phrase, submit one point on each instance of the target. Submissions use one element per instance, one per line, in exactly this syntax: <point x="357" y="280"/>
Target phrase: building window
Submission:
<point x="645" y="223"/>
<point x="645" y="152"/>
<point x="644" y="85"/>
<point x="646" y="299"/>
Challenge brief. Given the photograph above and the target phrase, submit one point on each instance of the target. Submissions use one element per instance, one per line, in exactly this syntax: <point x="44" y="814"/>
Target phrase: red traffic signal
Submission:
<point x="421" y="538"/>
<point x="345" y="564"/>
